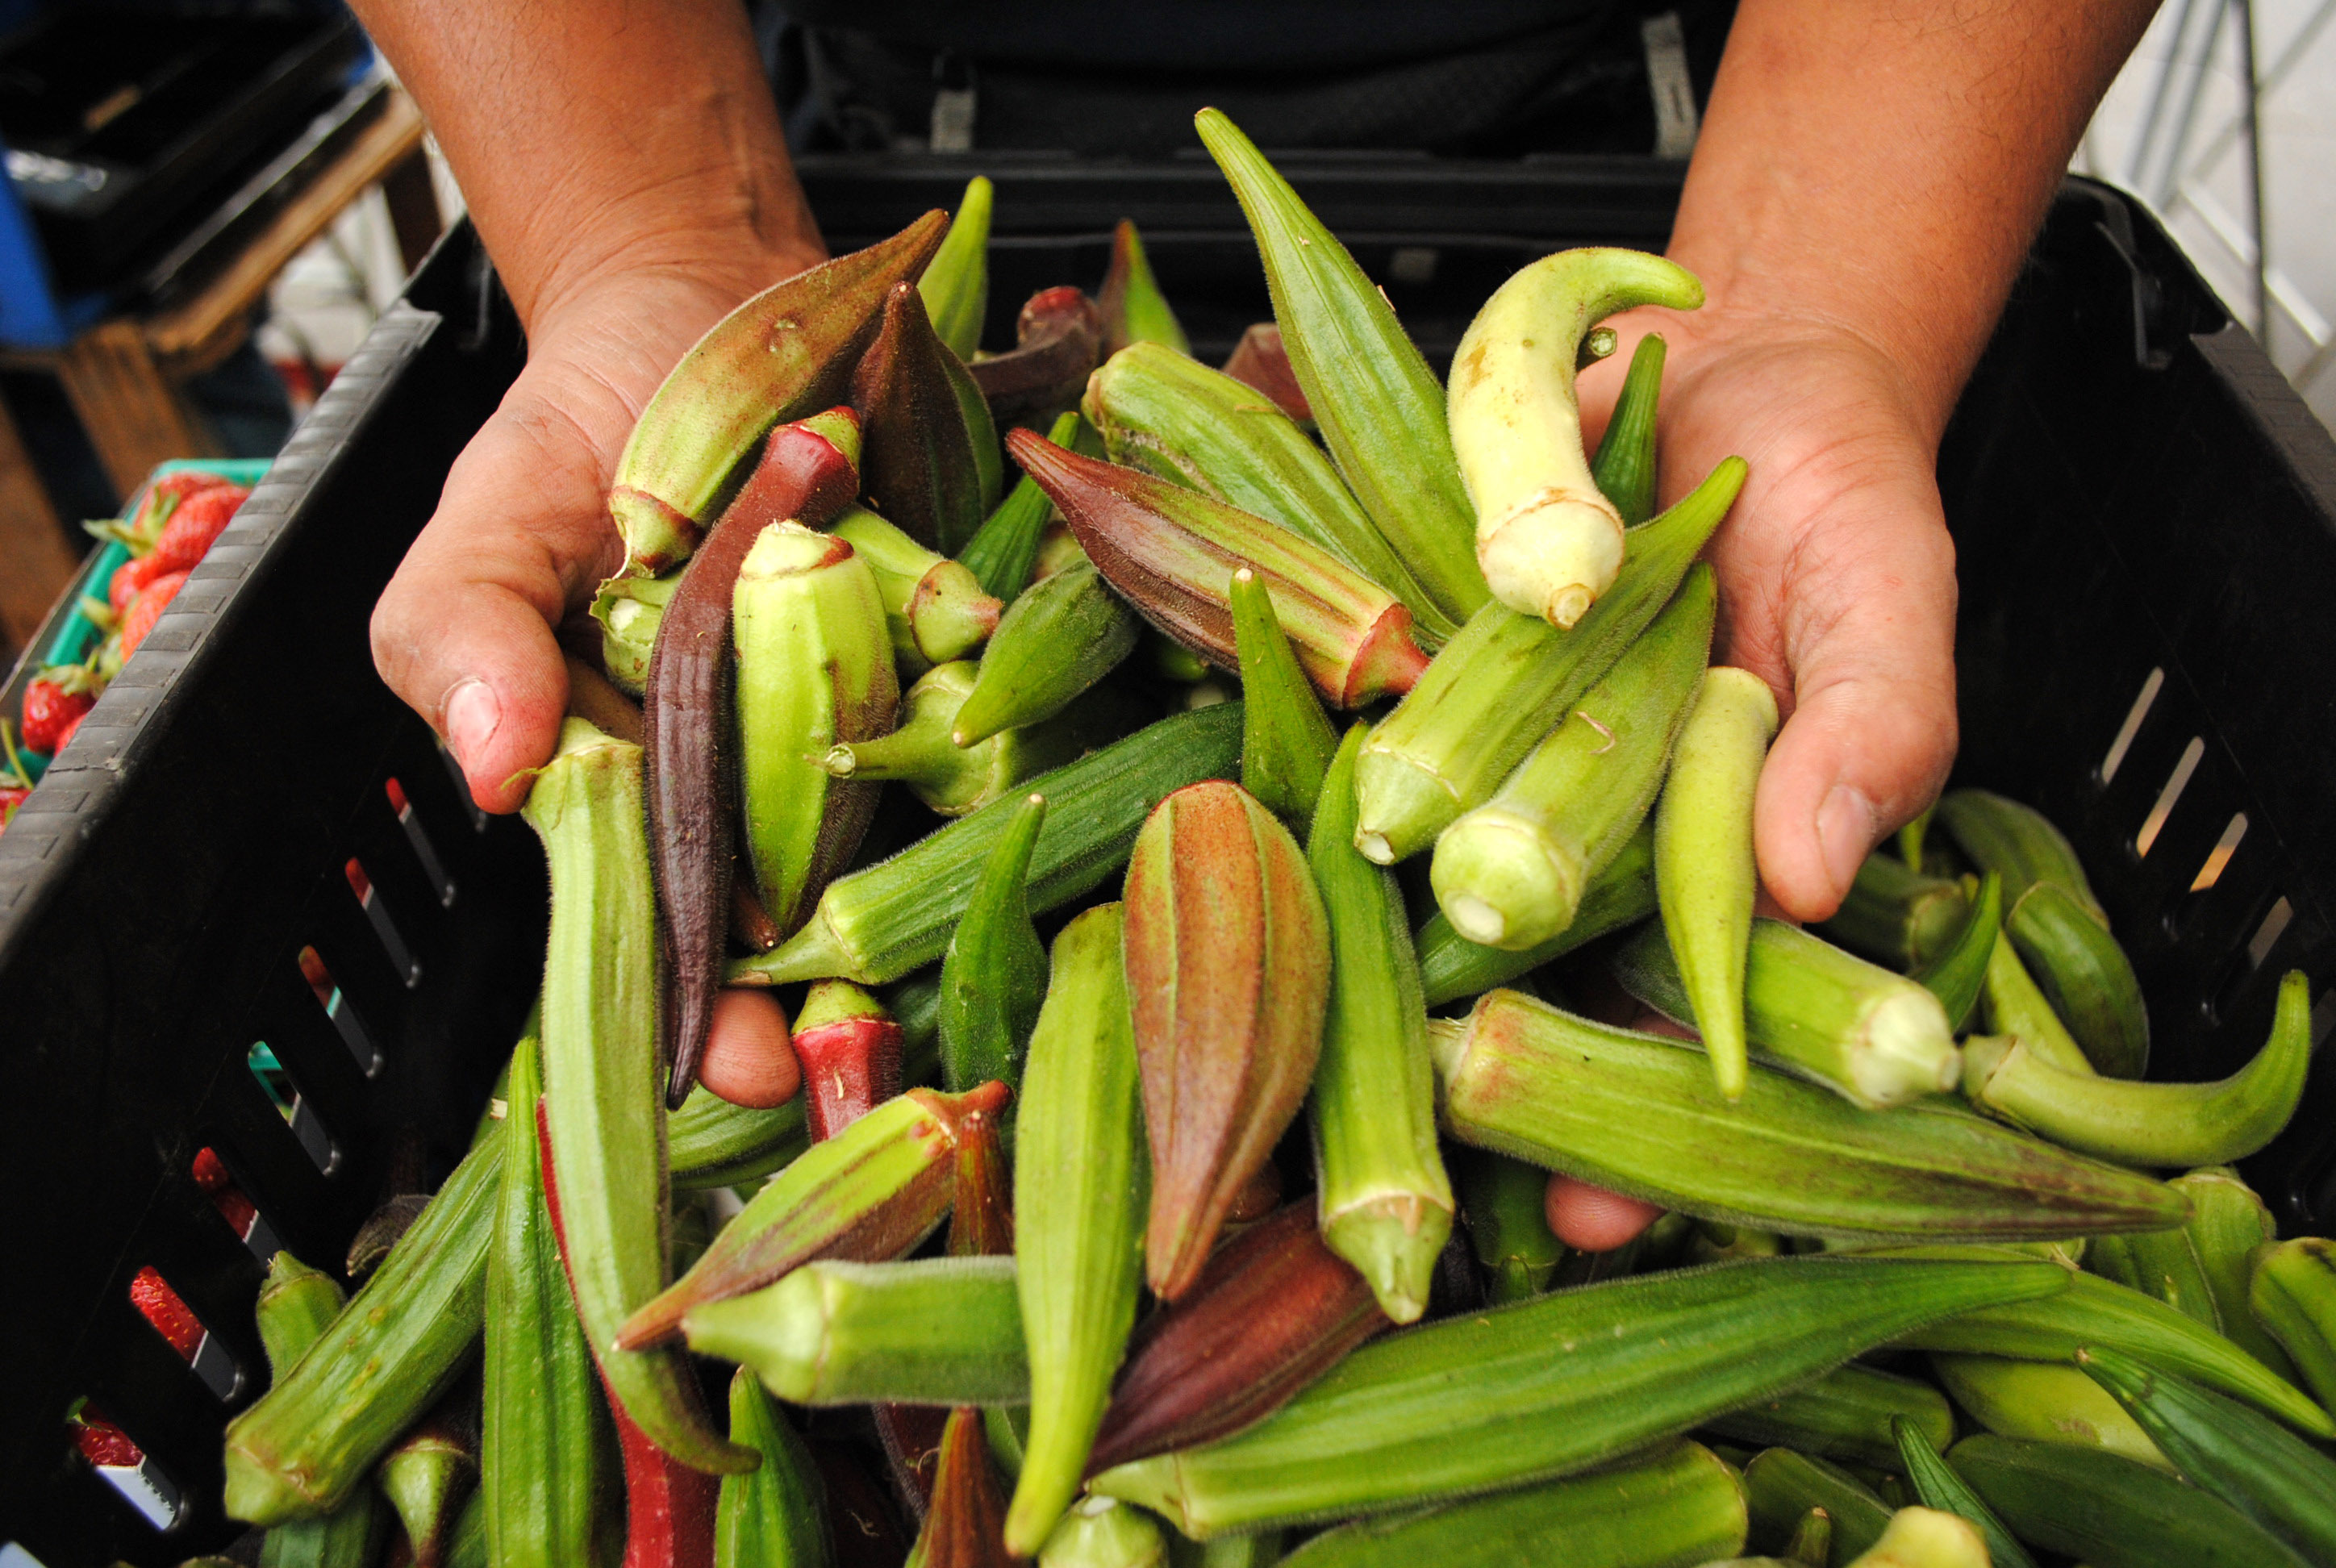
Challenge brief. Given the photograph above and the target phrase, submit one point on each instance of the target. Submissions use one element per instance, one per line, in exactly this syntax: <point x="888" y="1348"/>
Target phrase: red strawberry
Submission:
<point x="102" y="1442"/>
<point x="130" y="579"/>
<point x="71" y="726"/>
<point x="210" y="1173"/>
<point x="148" y="610"/>
<point x="197" y="520"/>
<point x="53" y="704"/>
<point x="173" y="1318"/>
<point x="12" y="795"/>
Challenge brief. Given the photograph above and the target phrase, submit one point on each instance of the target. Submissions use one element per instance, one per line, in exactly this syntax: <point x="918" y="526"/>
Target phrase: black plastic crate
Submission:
<point x="2132" y="487"/>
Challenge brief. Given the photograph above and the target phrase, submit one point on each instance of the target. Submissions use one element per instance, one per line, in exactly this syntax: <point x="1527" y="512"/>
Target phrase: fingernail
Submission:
<point x="1845" y="835"/>
<point x="473" y="716"/>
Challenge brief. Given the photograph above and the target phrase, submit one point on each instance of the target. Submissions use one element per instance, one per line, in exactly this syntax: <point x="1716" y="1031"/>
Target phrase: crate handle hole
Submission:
<point x="376" y="912"/>
<point x="2132" y="726"/>
<point x="343" y="1012"/>
<point x="2249" y="960"/>
<point x="124" y="1466"/>
<point x="168" y="1314"/>
<point x="419" y="837"/>
<point x="2175" y="782"/>
<point x="308" y="1127"/>
<point x="217" y="1183"/>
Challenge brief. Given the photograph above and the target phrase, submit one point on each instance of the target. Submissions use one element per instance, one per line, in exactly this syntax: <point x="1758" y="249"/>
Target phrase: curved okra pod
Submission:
<point x="1057" y="339"/>
<point x="1228" y="966"/>
<point x="954" y="780"/>
<point x="1371" y="392"/>
<point x="849" y="1049"/>
<point x="1781" y="1487"/>
<point x="2012" y="1006"/>
<point x="2084" y="971"/>
<point x="1638" y="1114"/>
<point x="1703" y="855"/>
<point x="956" y="282"/>
<point x="1386" y="1200"/>
<point x="1287" y="741"/>
<point x="1003" y="554"/>
<point x="1624" y="465"/>
<point x="1060" y="636"/>
<point x="1171" y="416"/>
<point x="2103" y="1508"/>
<point x="931" y="462"/>
<point x="1875" y="1038"/>
<point x="1453" y="968"/>
<point x="994" y="975"/>
<point x="1937" y="1484"/>
<point x="1079" y="1233"/>
<point x="1506" y="680"/>
<point x="1957" y="975"/>
<point x="1512" y="872"/>
<point x="1894" y="914"/>
<point x="1171" y="552"/>
<point x="782" y="354"/>
<point x="2293" y="1296"/>
<point x="775" y="1516"/>
<point x="1548" y="540"/>
<point x="2151" y="1123"/>
<point x="1133" y="309"/>
<point x="1504" y="1203"/>
<point x="935" y="608"/>
<point x="2000" y="834"/>
<point x="297" y="1305"/>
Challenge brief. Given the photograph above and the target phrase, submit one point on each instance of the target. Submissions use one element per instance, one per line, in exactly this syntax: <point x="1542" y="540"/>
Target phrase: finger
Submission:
<point x="1591" y="1219"/>
<point x="748" y="1059"/>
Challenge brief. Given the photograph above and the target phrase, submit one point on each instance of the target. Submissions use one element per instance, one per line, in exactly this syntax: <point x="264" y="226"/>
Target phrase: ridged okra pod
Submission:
<point x="953" y="780"/>
<point x="1506" y="680"/>
<point x="849" y="1050"/>
<point x="1171" y="552"/>
<point x="1894" y="914"/>
<point x="2160" y="1263"/>
<point x="2012" y="1006"/>
<point x="296" y="1307"/>
<point x="870" y="1193"/>
<point x="878" y="923"/>
<point x="783" y="354"/>
<point x="1548" y="540"/>
<point x="1133" y="309"/>
<point x="1638" y="1114"/>
<point x="1704" y="868"/>
<point x="312" y="1438"/>
<point x="1228" y="966"/>
<point x="994" y="975"/>
<point x="964" y="1527"/>
<point x="956" y="281"/>
<point x="1512" y="872"/>
<point x="2104" y="1509"/>
<point x="775" y="1516"/>
<point x="712" y="1142"/>
<point x="2228" y="1224"/>
<point x="1874" y="1038"/>
<point x="544" y="1435"/>
<point x="430" y="1476"/>
<point x="1063" y="635"/>
<point x="1624" y="464"/>
<point x="1104" y="1533"/>
<point x="1679" y="1504"/>
<point x="1386" y="1200"/>
<point x="1002" y="555"/>
<point x="1957" y="973"/>
<point x="2045" y="1402"/>
<point x="1551" y="1387"/>
<point x="1261" y="361"/>
<point x="2152" y="1123"/>
<point x="1780" y="1488"/>
<point x="1936" y="1482"/>
<point x="935" y="1331"/>
<point x="1172" y="416"/>
<point x="2293" y="1296"/>
<point x="1506" y="1204"/>
<point x="1057" y="339"/>
<point x="935" y="608"/>
<point x="813" y="670"/>
<point x="1372" y="394"/>
<point x="1078" y="1231"/>
<point x="1287" y="741"/>
<point x="931" y="458"/>
<point x="605" y="1124"/>
<point x="2017" y="841"/>
<point x="1847" y="1416"/>
<point x="1452" y="968"/>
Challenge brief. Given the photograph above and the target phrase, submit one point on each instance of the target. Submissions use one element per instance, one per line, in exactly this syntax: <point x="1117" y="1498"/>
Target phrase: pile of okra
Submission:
<point x="1215" y="883"/>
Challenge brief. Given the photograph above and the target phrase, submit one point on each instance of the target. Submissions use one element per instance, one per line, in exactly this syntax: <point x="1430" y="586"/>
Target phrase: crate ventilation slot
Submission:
<point x="401" y="957"/>
<point x="2132" y="726"/>
<point x="424" y="850"/>
<point x="2250" y="959"/>
<point x="308" y="1128"/>
<point x="479" y="819"/>
<point x="213" y="1180"/>
<point x="341" y="1011"/>
<point x="14" y="1556"/>
<point x="125" y="1468"/>
<point x="2218" y="859"/>
<point x="168" y="1314"/>
<point x="2175" y="782"/>
<point x="2324" y="1019"/>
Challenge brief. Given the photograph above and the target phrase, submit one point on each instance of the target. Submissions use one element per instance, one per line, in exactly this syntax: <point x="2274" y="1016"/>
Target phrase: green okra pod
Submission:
<point x="2105" y="1509"/>
<point x="1506" y="1204"/>
<point x="929" y="457"/>
<point x="1002" y="555"/>
<point x="2293" y="1295"/>
<point x="1506" y="680"/>
<point x="1063" y="635"/>
<point x="2152" y="1123"/>
<point x="1287" y="741"/>
<point x="1386" y="1200"/>
<point x="1780" y="1488"/>
<point x="2245" y="1459"/>
<point x="2228" y="1224"/>
<point x="297" y="1305"/>
<point x="2011" y="1005"/>
<point x="1373" y="396"/>
<point x="1957" y="973"/>
<point x="1550" y="1387"/>
<point x="1638" y="1114"/>
<point x="1104" y="1533"/>
<point x="1938" y="1486"/>
<point x="878" y="923"/>
<point x="2019" y="841"/>
<point x="956" y="281"/>
<point x="1624" y="464"/>
<point x="1677" y="1505"/>
<point x="1133" y="308"/>
<point x="1812" y="1542"/>
<point x="935" y="608"/>
<point x="2087" y="975"/>
<point x="1894" y="914"/>
<point x="629" y="610"/>
<point x="429" y="1476"/>
<point x="775" y="1516"/>
<point x="1874" y="1038"/>
<point x="1079" y="1233"/>
<point x="2161" y="1264"/>
<point x="1452" y="968"/>
<point x="1704" y="870"/>
<point x="1847" y="1414"/>
<point x="2043" y="1401"/>
<point x="935" y="1331"/>
<point x="1512" y="872"/>
<point x="712" y="1142"/>
<point x="994" y="975"/>
<point x="1919" y="1537"/>
<point x="953" y="780"/>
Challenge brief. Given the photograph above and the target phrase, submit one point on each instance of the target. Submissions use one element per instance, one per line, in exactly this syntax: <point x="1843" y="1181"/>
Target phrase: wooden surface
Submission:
<point x="36" y="557"/>
<point x="134" y="417"/>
